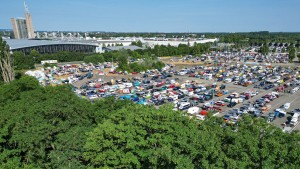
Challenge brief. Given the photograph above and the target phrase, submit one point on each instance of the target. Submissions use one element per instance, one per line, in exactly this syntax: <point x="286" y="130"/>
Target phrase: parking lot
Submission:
<point x="225" y="90"/>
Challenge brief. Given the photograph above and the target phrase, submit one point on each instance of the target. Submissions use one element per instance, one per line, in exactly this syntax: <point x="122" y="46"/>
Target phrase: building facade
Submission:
<point x="48" y="46"/>
<point x="19" y="28"/>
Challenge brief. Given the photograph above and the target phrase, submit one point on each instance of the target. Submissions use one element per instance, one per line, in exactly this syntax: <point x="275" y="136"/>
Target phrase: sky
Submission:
<point x="157" y="15"/>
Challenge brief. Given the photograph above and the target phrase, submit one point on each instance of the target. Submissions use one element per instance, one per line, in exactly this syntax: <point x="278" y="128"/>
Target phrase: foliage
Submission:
<point x="149" y="63"/>
<point x="138" y="43"/>
<point x="123" y="60"/>
<point x="143" y="137"/>
<point x="62" y="56"/>
<point x="22" y="61"/>
<point x="46" y="65"/>
<point x="264" y="49"/>
<point x="42" y="126"/>
<point x="95" y="59"/>
<point x="292" y="53"/>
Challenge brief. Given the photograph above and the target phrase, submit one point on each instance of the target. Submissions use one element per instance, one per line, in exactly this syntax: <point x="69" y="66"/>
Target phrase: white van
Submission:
<point x="183" y="72"/>
<point x="294" y="120"/>
<point x="184" y="91"/>
<point x="184" y="105"/>
<point x="286" y="106"/>
<point x="128" y="85"/>
<point x="228" y="80"/>
<point x="207" y="76"/>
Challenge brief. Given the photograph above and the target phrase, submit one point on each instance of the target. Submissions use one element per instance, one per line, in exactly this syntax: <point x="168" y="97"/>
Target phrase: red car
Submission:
<point x="102" y="90"/>
<point x="159" y="84"/>
<point x="266" y="96"/>
<point x="190" y="89"/>
<point x="219" y="109"/>
<point x="267" y="100"/>
<point x="171" y="86"/>
<point x="220" y="103"/>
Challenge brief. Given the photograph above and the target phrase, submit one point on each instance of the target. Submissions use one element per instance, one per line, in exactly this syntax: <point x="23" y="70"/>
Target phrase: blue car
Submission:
<point x="142" y="101"/>
<point x="125" y="97"/>
<point x="136" y="83"/>
<point x="134" y="98"/>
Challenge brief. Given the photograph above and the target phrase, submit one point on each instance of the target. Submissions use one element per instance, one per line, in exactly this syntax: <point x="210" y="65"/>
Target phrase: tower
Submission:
<point x="19" y="28"/>
<point x="29" y="25"/>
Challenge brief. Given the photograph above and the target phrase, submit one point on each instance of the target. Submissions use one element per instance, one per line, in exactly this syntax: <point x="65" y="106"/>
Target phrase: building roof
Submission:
<point x="123" y="47"/>
<point x="25" y="43"/>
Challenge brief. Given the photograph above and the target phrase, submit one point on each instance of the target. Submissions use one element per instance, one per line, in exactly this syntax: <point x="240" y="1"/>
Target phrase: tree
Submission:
<point x="292" y="53"/>
<point x="123" y="60"/>
<point x="133" y="43"/>
<point x="22" y="61"/>
<point x="143" y="137"/>
<point x="95" y="59"/>
<point x="264" y="49"/>
<point x="139" y="43"/>
<point x="6" y="62"/>
<point x="41" y="126"/>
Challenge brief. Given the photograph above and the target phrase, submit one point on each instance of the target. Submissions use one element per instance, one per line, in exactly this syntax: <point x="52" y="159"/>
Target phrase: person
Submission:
<point x="283" y="125"/>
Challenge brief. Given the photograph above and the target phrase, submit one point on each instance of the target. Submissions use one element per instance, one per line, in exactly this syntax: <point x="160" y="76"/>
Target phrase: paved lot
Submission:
<point x="294" y="99"/>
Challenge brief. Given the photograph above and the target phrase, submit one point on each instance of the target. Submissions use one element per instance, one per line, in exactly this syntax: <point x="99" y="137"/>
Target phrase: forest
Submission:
<point x="51" y="127"/>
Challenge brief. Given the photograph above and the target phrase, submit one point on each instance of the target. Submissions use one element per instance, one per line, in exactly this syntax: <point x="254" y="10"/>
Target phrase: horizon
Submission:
<point x="191" y="16"/>
<point x="9" y="29"/>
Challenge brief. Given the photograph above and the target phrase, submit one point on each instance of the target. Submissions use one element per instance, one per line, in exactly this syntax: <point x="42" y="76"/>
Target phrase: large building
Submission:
<point x="29" y="25"/>
<point x="48" y="46"/>
<point x="23" y="28"/>
<point x="19" y="28"/>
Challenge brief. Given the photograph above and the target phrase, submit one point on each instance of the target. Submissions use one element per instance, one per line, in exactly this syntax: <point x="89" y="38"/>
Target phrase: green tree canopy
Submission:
<point x="95" y="59"/>
<point x="264" y="49"/>
<point x="292" y="53"/>
<point x="143" y="137"/>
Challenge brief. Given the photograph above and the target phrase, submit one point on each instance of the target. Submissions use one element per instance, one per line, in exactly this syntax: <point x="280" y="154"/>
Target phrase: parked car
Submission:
<point x="232" y="104"/>
<point x="220" y="103"/>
